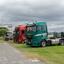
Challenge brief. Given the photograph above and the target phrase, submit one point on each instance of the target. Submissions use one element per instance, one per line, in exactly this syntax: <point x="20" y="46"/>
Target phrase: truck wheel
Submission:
<point x="49" y="42"/>
<point x="43" y="43"/>
<point x="62" y="42"/>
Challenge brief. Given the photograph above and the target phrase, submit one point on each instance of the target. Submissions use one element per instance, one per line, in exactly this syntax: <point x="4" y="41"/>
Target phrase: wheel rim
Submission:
<point x="43" y="44"/>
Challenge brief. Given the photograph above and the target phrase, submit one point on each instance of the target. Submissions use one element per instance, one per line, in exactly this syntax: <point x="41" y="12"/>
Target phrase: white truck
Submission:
<point x="55" y="40"/>
<point x="8" y="36"/>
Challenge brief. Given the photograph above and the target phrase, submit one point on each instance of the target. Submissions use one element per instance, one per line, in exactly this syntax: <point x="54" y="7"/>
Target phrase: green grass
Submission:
<point x="50" y="54"/>
<point x="2" y="40"/>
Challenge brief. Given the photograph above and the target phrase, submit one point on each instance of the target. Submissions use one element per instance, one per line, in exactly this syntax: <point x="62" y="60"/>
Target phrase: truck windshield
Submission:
<point x="41" y="28"/>
<point x="31" y="28"/>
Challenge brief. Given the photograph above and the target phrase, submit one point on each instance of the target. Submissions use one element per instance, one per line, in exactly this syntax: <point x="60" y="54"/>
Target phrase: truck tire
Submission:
<point x="62" y="42"/>
<point x="43" y="43"/>
<point x="49" y="42"/>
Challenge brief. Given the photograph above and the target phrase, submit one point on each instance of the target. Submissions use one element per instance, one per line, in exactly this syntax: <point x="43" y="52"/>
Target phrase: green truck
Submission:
<point x="37" y="34"/>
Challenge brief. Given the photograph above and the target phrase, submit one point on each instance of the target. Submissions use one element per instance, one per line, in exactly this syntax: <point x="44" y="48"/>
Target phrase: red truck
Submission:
<point x="19" y="34"/>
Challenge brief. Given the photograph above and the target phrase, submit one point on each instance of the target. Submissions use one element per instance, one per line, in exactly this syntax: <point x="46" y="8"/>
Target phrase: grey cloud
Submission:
<point x="50" y="10"/>
<point x="15" y="11"/>
<point x="41" y="8"/>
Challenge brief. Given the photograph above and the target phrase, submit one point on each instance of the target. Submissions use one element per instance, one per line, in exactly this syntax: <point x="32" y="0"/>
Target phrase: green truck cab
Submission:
<point x="36" y="34"/>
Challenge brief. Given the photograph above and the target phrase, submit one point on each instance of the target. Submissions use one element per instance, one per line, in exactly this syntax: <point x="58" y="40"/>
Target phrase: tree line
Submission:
<point x="3" y="31"/>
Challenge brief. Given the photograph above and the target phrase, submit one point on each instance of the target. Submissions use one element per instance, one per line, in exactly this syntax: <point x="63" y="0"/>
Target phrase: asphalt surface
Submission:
<point x="9" y="55"/>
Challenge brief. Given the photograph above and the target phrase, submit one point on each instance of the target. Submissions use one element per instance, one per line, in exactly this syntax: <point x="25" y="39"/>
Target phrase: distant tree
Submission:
<point x="3" y="30"/>
<point x="62" y="34"/>
<point x="55" y="34"/>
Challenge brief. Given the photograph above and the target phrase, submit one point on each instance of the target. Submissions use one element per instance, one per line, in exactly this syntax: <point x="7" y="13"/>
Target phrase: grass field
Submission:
<point x="50" y="54"/>
<point x="1" y="40"/>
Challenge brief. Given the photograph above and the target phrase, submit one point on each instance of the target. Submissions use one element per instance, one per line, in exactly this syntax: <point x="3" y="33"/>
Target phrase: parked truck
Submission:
<point x="37" y="35"/>
<point x="19" y="34"/>
<point x="8" y="36"/>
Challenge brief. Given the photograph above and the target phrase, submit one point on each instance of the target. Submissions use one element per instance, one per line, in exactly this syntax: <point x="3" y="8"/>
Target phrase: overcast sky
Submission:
<point x="19" y="11"/>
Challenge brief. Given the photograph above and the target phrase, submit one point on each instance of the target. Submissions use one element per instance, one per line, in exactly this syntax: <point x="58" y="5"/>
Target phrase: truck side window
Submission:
<point x="43" y="27"/>
<point x="39" y="28"/>
<point x="34" y="28"/>
<point x="29" y="29"/>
